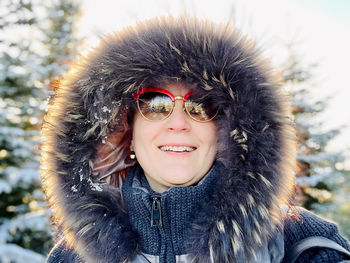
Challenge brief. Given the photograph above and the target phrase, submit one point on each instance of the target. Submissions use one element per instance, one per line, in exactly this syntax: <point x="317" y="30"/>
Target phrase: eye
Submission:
<point x="158" y="104"/>
<point x="200" y="107"/>
<point x="195" y="108"/>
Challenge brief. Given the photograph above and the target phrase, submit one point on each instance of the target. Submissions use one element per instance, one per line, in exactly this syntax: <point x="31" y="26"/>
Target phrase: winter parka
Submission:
<point x="86" y="147"/>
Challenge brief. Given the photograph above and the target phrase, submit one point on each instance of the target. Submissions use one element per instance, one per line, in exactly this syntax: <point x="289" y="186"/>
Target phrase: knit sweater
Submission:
<point x="306" y="224"/>
<point x="161" y="219"/>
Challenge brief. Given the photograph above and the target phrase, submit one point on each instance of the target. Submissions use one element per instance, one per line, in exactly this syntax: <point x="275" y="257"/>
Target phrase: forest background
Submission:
<point x="306" y="41"/>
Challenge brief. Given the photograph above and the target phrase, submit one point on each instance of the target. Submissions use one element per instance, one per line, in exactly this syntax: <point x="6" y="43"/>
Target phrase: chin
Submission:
<point x="178" y="179"/>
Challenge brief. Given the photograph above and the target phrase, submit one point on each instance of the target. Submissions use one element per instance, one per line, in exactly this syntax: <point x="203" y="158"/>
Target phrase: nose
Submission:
<point x="178" y="120"/>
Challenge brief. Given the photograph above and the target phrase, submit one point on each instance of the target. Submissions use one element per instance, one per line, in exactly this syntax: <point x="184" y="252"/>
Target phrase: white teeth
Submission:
<point x="177" y="148"/>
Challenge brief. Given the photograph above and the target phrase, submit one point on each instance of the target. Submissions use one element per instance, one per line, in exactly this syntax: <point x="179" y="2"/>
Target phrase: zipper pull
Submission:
<point x="156" y="216"/>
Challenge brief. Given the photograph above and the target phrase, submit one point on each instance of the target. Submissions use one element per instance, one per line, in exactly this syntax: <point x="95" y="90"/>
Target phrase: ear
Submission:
<point x="132" y="145"/>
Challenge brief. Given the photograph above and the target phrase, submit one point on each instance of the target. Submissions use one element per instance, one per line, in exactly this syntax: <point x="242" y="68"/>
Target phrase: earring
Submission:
<point x="132" y="155"/>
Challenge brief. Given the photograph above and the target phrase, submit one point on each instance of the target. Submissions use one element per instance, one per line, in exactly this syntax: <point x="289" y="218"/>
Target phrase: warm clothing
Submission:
<point x="178" y="206"/>
<point x="307" y="225"/>
<point x="96" y="192"/>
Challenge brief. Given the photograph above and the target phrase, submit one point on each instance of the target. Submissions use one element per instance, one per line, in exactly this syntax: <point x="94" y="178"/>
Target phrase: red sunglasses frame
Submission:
<point x="173" y="98"/>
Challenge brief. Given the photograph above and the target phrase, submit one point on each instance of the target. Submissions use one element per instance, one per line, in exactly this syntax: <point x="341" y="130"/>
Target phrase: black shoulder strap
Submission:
<point x="312" y="242"/>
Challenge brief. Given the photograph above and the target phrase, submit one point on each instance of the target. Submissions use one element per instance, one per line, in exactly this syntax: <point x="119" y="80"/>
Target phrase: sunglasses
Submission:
<point x="158" y="104"/>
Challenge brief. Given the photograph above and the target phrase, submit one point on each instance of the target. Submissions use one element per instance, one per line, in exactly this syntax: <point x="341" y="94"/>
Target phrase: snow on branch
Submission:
<point x="35" y="221"/>
<point x="320" y="158"/>
<point x="11" y="253"/>
<point x="15" y="177"/>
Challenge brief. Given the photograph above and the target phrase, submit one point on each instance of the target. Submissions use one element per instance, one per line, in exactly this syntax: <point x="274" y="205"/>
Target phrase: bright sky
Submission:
<point x="320" y="27"/>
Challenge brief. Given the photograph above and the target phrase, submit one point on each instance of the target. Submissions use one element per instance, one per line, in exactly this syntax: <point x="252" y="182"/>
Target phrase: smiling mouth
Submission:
<point x="167" y="148"/>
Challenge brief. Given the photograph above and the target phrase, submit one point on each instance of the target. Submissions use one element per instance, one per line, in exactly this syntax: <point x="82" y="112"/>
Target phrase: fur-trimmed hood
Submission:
<point x="87" y="137"/>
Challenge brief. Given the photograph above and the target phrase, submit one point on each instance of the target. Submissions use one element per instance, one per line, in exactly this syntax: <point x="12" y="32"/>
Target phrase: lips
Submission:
<point x="177" y="148"/>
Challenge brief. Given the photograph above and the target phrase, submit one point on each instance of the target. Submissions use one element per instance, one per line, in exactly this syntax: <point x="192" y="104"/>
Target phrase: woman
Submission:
<point x="171" y="142"/>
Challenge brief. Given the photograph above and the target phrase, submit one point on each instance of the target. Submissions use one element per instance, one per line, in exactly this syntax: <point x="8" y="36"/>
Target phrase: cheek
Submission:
<point x="143" y="135"/>
<point x="209" y="136"/>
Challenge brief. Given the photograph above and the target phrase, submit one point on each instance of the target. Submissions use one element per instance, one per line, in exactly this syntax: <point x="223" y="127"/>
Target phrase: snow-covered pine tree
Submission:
<point x="35" y="44"/>
<point x="318" y="174"/>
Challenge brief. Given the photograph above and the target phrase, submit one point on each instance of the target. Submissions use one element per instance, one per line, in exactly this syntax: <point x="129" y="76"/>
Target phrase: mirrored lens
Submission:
<point x="155" y="105"/>
<point x="200" y="109"/>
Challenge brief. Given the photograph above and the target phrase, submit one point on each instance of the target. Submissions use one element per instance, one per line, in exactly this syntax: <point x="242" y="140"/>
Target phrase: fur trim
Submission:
<point x="255" y="137"/>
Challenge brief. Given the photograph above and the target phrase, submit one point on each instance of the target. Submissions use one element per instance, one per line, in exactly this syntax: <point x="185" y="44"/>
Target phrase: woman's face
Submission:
<point x="166" y="168"/>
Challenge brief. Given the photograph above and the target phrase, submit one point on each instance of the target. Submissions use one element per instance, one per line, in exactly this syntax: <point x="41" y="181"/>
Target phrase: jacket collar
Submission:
<point x="162" y="220"/>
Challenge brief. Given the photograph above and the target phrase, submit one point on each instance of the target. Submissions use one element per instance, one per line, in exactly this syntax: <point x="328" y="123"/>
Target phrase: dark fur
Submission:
<point x="254" y="137"/>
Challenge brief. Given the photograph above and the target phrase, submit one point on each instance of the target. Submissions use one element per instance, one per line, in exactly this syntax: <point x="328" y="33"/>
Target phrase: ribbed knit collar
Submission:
<point x="179" y="205"/>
